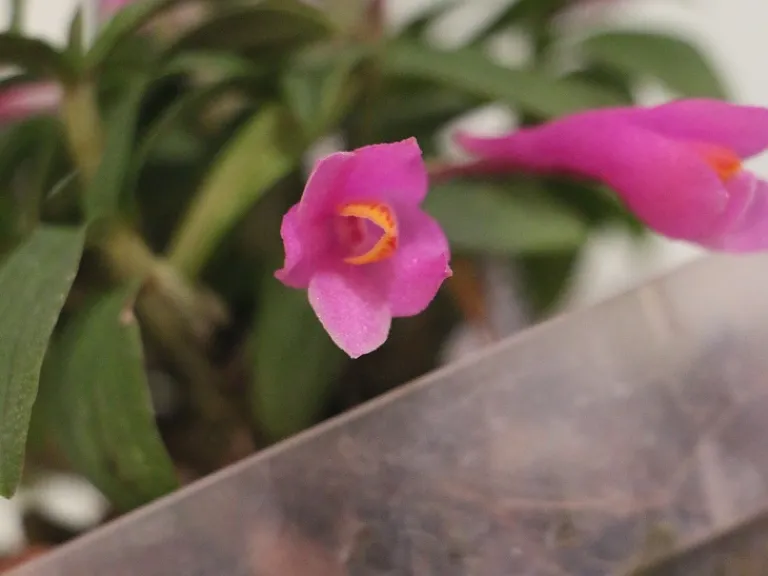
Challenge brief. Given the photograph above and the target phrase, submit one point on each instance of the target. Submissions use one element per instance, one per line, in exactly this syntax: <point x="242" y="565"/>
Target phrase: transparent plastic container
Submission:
<point x="630" y="434"/>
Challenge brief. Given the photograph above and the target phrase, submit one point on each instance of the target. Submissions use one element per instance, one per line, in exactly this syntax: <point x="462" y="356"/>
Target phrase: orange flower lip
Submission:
<point x="723" y="161"/>
<point x="383" y="217"/>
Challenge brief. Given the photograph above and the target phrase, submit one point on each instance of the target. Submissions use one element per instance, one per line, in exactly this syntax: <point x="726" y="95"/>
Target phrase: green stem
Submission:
<point x="83" y="125"/>
<point x="127" y="256"/>
<point x="171" y="308"/>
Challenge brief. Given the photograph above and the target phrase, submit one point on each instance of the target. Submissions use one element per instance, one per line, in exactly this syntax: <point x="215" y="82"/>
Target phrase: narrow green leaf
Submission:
<point x="418" y="26"/>
<point x="34" y="56"/>
<point x="319" y="92"/>
<point x="610" y="79"/>
<point x="484" y="217"/>
<point x="104" y="194"/>
<point x="226" y="71"/>
<point x="37" y="183"/>
<point x="122" y="26"/>
<point x="225" y="65"/>
<point x="17" y="15"/>
<point x="27" y="150"/>
<point x="474" y="73"/>
<point x="295" y="363"/>
<point x="35" y="280"/>
<point x="182" y="108"/>
<point x="75" y="37"/>
<point x="253" y="161"/>
<point x="677" y="63"/>
<point x="418" y="109"/>
<point x="526" y="13"/>
<point x="99" y="409"/>
<point x="268" y="25"/>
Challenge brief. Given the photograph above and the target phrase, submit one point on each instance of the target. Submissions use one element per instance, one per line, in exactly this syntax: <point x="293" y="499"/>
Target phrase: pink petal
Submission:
<point x="420" y="264"/>
<point x="304" y="245"/>
<point x="747" y="230"/>
<point x="740" y="189"/>
<point x="664" y="182"/>
<point x="393" y="173"/>
<point x="24" y="100"/>
<point x="109" y="7"/>
<point x="743" y="129"/>
<point x="321" y="193"/>
<point x="352" y="307"/>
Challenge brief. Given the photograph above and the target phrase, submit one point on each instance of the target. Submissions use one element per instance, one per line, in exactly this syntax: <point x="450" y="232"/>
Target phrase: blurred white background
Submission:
<point x="732" y="33"/>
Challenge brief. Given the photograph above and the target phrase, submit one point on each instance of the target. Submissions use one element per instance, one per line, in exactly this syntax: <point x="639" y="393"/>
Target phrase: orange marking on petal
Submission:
<point x="722" y="160"/>
<point x="382" y="216"/>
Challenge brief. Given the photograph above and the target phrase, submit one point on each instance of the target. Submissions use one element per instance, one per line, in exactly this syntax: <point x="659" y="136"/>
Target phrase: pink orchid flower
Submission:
<point x="24" y="100"/>
<point x="678" y="166"/>
<point x="359" y="241"/>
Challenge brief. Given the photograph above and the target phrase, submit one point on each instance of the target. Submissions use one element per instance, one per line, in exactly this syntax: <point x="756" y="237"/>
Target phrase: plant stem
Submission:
<point x="83" y="126"/>
<point x="127" y="256"/>
<point x="177" y="315"/>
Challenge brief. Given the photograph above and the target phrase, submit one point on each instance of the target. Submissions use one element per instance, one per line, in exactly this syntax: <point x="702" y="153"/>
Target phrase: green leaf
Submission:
<point x="35" y="280"/>
<point x="418" y="109"/>
<point x="610" y="79"/>
<point x="98" y="406"/>
<point x="184" y="107"/>
<point x="123" y="25"/>
<point x="223" y="65"/>
<point x="103" y="196"/>
<point x="678" y="64"/>
<point x="484" y="217"/>
<point x="75" y="37"/>
<point x="34" y="56"/>
<point x="37" y="183"/>
<point x="27" y="151"/>
<point x="418" y="26"/>
<point x="596" y="203"/>
<point x="252" y="162"/>
<point x="546" y="278"/>
<point x="318" y="92"/>
<point x="530" y="14"/>
<point x="271" y="25"/>
<point x="295" y="362"/>
<point x="472" y="72"/>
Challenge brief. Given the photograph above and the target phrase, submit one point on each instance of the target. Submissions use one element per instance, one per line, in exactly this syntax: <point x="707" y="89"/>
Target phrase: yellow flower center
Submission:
<point x="379" y="214"/>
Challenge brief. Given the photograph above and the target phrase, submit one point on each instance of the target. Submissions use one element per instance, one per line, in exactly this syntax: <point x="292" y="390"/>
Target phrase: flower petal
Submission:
<point x="322" y="191"/>
<point x="304" y="249"/>
<point x="747" y="229"/>
<point x="24" y="100"/>
<point x="392" y="173"/>
<point x="352" y="306"/>
<point x="743" y="129"/>
<point x="667" y="184"/>
<point x="420" y="264"/>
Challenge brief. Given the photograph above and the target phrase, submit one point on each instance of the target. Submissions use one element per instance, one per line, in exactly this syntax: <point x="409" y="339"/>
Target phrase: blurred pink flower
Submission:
<point x="109" y="7"/>
<point x="18" y="102"/>
<point x="677" y="166"/>
<point x="359" y="241"/>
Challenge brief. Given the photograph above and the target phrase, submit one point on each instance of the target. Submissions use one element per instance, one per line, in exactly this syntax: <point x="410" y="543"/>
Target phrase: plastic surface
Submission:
<point x="586" y="446"/>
